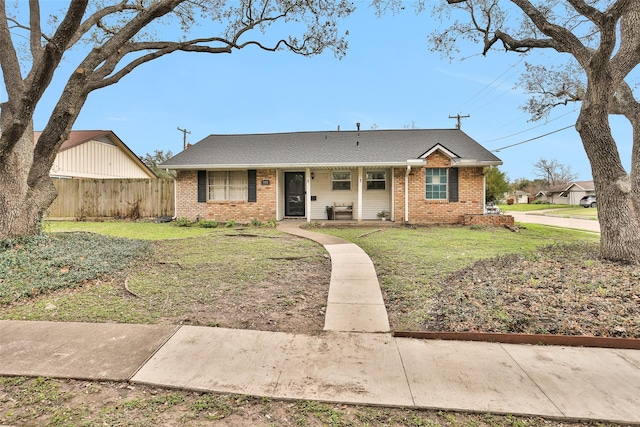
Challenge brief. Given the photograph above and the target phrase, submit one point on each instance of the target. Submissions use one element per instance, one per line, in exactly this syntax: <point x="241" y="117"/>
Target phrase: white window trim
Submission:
<point x="446" y="185"/>
<point x="341" y="180"/>
<point x="384" y="172"/>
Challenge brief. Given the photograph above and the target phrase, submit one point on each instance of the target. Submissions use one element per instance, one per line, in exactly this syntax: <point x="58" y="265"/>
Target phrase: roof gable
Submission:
<point x="439" y="147"/>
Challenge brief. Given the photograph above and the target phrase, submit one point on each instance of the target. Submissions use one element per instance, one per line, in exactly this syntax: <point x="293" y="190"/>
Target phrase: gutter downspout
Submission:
<point x="406" y="194"/>
<point x="307" y="193"/>
<point x="359" y="217"/>
<point x="484" y="189"/>
<point x="175" y="196"/>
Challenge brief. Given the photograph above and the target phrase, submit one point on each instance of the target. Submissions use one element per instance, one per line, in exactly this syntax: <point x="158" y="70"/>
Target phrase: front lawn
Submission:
<point x="259" y="278"/>
<point x="528" y="207"/>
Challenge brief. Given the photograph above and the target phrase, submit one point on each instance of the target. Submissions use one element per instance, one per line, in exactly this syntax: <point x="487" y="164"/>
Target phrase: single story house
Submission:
<point x="416" y="176"/>
<point x="567" y="193"/>
<point x="97" y="154"/>
<point x="520" y="197"/>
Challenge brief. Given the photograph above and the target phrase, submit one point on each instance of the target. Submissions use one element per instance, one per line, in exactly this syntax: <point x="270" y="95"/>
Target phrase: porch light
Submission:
<point x="312" y="175"/>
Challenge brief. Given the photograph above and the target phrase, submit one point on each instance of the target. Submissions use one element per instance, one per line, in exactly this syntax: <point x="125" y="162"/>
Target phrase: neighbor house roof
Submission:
<point x="331" y="149"/>
<point x="582" y="185"/>
<point x="563" y="188"/>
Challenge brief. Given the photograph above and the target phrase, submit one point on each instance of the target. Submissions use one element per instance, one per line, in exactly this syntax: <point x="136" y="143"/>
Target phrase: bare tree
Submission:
<point x="553" y="173"/>
<point x="116" y="37"/>
<point x="597" y="43"/>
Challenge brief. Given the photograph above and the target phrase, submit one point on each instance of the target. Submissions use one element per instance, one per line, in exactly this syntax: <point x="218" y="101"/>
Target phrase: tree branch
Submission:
<point x="563" y="39"/>
<point x="94" y="19"/>
<point x="36" y="31"/>
<point x="628" y="56"/>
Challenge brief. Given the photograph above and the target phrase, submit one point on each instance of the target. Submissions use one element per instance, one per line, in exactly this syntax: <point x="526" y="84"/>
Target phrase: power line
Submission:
<point x="532" y="139"/>
<point x="532" y="128"/>
<point x="491" y="85"/>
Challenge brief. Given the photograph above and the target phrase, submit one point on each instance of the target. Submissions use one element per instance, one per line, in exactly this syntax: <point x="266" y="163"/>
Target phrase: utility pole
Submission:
<point x="184" y="137"/>
<point x="459" y="117"/>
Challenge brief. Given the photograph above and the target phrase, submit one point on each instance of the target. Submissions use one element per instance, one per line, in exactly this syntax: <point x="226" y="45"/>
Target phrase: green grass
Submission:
<point x="43" y="264"/>
<point x="575" y="212"/>
<point x="129" y="229"/>
<point x="528" y="207"/>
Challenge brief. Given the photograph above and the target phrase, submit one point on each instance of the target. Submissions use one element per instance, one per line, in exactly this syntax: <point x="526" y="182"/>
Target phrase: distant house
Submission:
<point x="566" y="194"/>
<point x="411" y="175"/>
<point x="97" y="154"/>
<point x="577" y="190"/>
<point x="520" y="197"/>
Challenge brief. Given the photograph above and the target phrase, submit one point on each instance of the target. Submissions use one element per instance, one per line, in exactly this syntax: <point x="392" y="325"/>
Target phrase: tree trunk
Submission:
<point x="617" y="213"/>
<point x="22" y="205"/>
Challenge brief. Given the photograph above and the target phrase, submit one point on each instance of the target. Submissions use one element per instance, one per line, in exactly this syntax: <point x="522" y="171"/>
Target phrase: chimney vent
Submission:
<point x="358" y="126"/>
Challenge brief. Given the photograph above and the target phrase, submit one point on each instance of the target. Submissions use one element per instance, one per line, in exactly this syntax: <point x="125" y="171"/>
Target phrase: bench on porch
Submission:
<point x="344" y="209"/>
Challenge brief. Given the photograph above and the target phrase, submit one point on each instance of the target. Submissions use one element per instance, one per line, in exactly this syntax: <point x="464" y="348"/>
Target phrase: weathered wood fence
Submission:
<point x="112" y="198"/>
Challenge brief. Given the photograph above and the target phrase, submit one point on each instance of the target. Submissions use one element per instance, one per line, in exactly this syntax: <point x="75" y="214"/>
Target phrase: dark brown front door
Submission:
<point x="294" y="194"/>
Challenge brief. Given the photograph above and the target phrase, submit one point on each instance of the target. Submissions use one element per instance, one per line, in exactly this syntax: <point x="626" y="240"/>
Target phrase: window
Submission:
<point x="437" y="184"/>
<point x="227" y="185"/>
<point x="376" y="180"/>
<point x="341" y="180"/>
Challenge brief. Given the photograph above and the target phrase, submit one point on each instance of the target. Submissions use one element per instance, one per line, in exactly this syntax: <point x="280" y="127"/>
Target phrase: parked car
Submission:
<point x="491" y="208"/>
<point x="588" y="202"/>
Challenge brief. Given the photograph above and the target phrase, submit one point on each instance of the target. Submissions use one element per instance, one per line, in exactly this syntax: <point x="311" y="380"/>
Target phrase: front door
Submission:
<point x="294" y="194"/>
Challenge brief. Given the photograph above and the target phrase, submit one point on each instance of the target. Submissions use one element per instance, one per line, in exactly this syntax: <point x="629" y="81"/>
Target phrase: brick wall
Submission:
<point x="187" y="205"/>
<point x="423" y="211"/>
<point x="489" y="220"/>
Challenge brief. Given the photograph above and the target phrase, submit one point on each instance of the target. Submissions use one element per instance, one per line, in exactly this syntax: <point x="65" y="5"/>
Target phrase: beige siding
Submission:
<point x="373" y="201"/>
<point x="95" y="159"/>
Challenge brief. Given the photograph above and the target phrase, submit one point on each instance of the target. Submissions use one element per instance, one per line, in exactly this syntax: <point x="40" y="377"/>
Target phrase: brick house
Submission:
<point x="417" y="176"/>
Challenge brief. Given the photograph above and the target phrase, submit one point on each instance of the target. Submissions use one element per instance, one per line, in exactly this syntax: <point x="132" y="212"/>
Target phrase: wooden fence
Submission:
<point x="112" y="198"/>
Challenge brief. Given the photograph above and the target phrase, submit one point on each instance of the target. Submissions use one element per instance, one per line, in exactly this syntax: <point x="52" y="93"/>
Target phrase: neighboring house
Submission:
<point x="567" y="193"/>
<point x="96" y="154"/>
<point x="418" y="176"/>
<point x="521" y="197"/>
<point x="577" y="190"/>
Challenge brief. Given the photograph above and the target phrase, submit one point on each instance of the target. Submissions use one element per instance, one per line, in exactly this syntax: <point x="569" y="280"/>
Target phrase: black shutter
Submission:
<point x="252" y="187"/>
<point x="453" y="184"/>
<point x="202" y="186"/>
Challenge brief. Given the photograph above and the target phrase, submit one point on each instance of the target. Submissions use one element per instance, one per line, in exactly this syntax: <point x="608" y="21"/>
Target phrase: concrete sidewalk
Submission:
<point x="536" y="218"/>
<point x="371" y="369"/>
<point x="339" y="365"/>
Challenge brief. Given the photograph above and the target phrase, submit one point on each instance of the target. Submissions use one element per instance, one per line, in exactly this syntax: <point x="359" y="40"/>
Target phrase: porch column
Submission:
<point x="392" y="185"/>
<point x="360" y="193"/>
<point x="307" y="193"/>
<point x="406" y="195"/>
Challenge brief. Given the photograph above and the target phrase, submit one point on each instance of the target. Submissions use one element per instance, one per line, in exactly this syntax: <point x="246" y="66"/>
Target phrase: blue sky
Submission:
<point x="388" y="79"/>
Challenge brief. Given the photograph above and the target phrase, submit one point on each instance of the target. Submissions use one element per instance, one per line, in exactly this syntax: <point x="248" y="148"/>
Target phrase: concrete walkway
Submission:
<point x="355" y="301"/>
<point x="337" y="366"/>
<point x="536" y="217"/>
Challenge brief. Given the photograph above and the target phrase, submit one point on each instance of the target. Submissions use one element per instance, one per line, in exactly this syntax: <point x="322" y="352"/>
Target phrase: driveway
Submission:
<point x="536" y="218"/>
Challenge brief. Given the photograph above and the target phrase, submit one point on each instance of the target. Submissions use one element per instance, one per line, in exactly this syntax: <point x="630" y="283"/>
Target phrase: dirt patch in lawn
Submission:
<point x="559" y="290"/>
<point x="40" y="401"/>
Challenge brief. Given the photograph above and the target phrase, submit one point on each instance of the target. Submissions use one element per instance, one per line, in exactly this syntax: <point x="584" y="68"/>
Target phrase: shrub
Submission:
<point x="208" y="223"/>
<point x="256" y="222"/>
<point x="182" y="222"/>
<point x="230" y="223"/>
<point x="273" y="223"/>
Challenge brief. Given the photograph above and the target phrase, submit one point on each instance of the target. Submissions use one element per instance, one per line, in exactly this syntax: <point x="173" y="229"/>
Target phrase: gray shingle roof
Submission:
<point x="331" y="148"/>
